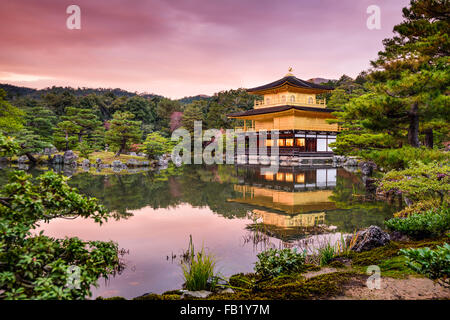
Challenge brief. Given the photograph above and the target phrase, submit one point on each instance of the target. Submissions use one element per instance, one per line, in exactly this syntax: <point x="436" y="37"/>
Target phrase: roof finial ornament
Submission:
<point x="289" y="74"/>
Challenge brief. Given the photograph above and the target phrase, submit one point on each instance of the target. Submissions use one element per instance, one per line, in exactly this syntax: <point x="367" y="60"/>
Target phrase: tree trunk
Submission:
<point x="429" y="138"/>
<point x="122" y="147"/>
<point x="31" y="157"/>
<point x="67" y="141"/>
<point x="413" y="130"/>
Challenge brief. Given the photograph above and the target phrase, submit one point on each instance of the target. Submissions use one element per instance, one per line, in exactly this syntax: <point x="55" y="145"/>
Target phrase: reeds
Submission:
<point x="198" y="269"/>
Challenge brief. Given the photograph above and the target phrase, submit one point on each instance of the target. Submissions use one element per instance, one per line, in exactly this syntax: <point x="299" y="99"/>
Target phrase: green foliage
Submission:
<point x="34" y="266"/>
<point x="80" y="122"/>
<point x="11" y="118"/>
<point x="191" y="113"/>
<point x="404" y="157"/>
<point x="421" y="182"/>
<point x="407" y="86"/>
<point x="274" y="262"/>
<point x="85" y="149"/>
<point x="361" y="144"/>
<point x="156" y="145"/>
<point x="346" y="89"/>
<point x="199" y="270"/>
<point x="432" y="223"/>
<point x="8" y="145"/>
<point x="123" y="131"/>
<point x="434" y="264"/>
<point x="326" y="254"/>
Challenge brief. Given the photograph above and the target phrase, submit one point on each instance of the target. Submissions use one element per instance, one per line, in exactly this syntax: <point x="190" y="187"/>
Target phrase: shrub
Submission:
<point x="434" y="264"/>
<point x="156" y="145"/>
<point x="405" y="157"/>
<point x="85" y="149"/>
<point x="273" y="262"/>
<point x="422" y="182"/>
<point x="326" y="254"/>
<point x="432" y="223"/>
<point x="199" y="270"/>
<point x="418" y="208"/>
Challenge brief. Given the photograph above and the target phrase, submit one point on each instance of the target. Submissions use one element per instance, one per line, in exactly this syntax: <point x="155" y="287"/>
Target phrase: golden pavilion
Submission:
<point x="291" y="107"/>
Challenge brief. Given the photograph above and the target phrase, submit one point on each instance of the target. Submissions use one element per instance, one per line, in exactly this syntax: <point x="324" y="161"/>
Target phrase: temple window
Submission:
<point x="267" y="100"/>
<point x="281" y="142"/>
<point x="300" y="178"/>
<point x="283" y="99"/>
<point x="269" y="143"/>
<point x="300" y="142"/>
<point x="280" y="176"/>
<point x="292" y="98"/>
<point x="310" y="100"/>
<point x="269" y="176"/>
<point x="289" y="177"/>
<point x="289" y="142"/>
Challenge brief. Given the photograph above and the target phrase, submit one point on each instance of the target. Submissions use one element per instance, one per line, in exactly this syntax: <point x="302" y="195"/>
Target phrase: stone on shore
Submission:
<point x="369" y="238"/>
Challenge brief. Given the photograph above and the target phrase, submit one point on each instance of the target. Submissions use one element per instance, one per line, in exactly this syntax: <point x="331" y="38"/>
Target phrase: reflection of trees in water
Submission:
<point x="211" y="186"/>
<point x="196" y="185"/>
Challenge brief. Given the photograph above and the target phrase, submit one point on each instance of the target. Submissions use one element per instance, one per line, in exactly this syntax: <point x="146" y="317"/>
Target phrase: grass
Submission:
<point x="106" y="157"/>
<point x="199" y="269"/>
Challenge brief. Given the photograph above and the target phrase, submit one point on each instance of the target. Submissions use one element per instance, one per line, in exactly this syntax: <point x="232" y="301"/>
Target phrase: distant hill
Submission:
<point x="187" y="100"/>
<point x="320" y="80"/>
<point x="16" y="91"/>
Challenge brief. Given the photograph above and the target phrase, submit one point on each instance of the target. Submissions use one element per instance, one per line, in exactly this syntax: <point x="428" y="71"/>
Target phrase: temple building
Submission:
<point x="293" y="108"/>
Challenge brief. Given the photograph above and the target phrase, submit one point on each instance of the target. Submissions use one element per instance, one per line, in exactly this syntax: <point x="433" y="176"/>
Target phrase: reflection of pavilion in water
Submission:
<point x="290" y="203"/>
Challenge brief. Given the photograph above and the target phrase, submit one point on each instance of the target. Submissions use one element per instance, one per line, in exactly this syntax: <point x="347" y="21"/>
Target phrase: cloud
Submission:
<point x="179" y="48"/>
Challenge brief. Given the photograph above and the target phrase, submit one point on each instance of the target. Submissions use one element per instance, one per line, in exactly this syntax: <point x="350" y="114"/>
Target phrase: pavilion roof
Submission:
<point x="290" y="80"/>
<point x="254" y="112"/>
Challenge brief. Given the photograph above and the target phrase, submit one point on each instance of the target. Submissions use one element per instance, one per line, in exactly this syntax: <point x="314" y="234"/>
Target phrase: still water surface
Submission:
<point x="234" y="212"/>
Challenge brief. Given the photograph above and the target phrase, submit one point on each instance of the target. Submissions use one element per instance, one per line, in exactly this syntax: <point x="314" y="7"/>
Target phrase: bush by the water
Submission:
<point x="273" y="262"/>
<point x="433" y="223"/>
<point x="434" y="264"/>
<point x="403" y="158"/>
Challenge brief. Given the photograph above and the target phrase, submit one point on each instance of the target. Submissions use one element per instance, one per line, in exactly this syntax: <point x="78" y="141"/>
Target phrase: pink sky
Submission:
<point x="179" y="48"/>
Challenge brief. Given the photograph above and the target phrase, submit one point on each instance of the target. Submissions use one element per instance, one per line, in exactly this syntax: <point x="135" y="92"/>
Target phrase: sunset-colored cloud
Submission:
<point x="178" y="48"/>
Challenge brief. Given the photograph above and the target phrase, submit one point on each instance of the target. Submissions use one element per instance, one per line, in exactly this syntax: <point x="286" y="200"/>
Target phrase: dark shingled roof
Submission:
<point x="293" y="81"/>
<point x="255" y="112"/>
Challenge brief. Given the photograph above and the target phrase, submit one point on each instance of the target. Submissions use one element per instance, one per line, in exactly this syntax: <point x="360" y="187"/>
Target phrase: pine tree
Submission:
<point x="191" y="113"/>
<point x="412" y="74"/>
<point x="408" y="83"/>
<point x="81" y="122"/>
<point x="123" y="131"/>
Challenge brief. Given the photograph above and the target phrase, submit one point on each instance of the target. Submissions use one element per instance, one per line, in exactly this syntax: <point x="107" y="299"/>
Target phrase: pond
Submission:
<point x="234" y="212"/>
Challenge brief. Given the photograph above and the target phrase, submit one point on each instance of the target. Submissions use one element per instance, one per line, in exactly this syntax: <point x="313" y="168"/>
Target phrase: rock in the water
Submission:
<point x="69" y="157"/>
<point x="367" y="167"/>
<point x="22" y="159"/>
<point x="132" y="163"/>
<point x="202" y="294"/>
<point x="369" y="238"/>
<point x="98" y="161"/>
<point x="86" y="163"/>
<point x="117" y="163"/>
<point x="57" y="159"/>
<point x="351" y="162"/>
<point x="132" y="154"/>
